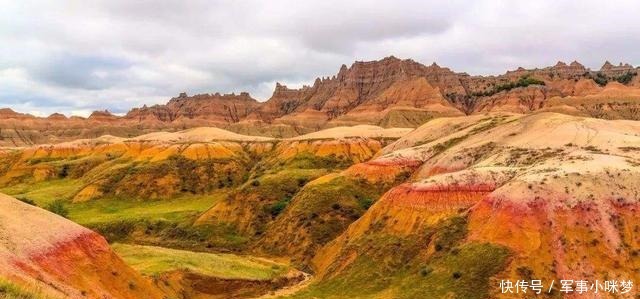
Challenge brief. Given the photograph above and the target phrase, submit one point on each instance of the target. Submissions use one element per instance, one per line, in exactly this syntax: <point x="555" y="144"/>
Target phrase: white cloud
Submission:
<point x="80" y="56"/>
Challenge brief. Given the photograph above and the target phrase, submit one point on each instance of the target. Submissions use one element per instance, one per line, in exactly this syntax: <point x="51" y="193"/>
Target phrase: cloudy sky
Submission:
<point x="77" y="56"/>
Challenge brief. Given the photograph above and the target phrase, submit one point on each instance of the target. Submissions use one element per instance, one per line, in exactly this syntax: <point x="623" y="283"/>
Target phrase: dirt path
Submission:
<point x="290" y="290"/>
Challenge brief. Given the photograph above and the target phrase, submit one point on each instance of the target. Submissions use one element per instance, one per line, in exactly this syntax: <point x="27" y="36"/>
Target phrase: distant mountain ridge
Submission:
<point x="390" y="92"/>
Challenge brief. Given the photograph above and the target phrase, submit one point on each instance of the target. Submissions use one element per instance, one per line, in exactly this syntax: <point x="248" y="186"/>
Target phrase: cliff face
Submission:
<point x="390" y="92"/>
<point x="363" y="92"/>
<point x="42" y="251"/>
<point x="222" y="109"/>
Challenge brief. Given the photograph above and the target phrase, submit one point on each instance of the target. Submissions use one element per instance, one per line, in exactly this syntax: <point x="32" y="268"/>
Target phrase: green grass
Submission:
<point x="45" y="192"/>
<point x="10" y="290"/>
<point x="150" y="260"/>
<point x="106" y="210"/>
<point x="167" y="222"/>
<point x="285" y="182"/>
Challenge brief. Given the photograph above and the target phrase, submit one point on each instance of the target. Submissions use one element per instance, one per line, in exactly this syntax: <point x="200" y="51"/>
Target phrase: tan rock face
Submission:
<point x="228" y="108"/>
<point x="390" y="92"/>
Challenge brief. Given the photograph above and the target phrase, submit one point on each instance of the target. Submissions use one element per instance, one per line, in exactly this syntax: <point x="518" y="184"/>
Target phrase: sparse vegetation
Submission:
<point x="627" y="149"/>
<point x="277" y="208"/>
<point x="522" y="82"/>
<point x="110" y="209"/>
<point x="10" y="290"/>
<point x="58" y="207"/>
<point x="626" y="78"/>
<point x="396" y="266"/>
<point x="441" y="147"/>
<point x="44" y="192"/>
<point x="27" y="201"/>
<point x="592" y="149"/>
<point x="450" y="233"/>
<point x="207" y="237"/>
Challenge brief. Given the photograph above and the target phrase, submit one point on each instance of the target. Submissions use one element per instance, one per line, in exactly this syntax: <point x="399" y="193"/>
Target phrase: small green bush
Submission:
<point x="277" y="208"/>
<point x="626" y="78"/>
<point x="58" y="207"/>
<point x="365" y="203"/>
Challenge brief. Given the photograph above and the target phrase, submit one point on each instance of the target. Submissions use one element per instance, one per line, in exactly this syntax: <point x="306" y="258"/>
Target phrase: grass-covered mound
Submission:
<point x="318" y="213"/>
<point x="151" y="260"/>
<point x="435" y="262"/>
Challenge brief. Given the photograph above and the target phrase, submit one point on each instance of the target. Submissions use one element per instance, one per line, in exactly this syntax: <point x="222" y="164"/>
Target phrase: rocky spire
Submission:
<point x="560" y="64"/>
<point x="606" y="66"/>
<point x="576" y="64"/>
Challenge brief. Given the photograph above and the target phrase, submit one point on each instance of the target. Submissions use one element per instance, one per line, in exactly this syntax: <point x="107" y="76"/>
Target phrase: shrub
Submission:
<point x="626" y="78"/>
<point x="58" y="207"/>
<point x="277" y="208"/>
<point x="365" y="203"/>
<point x="426" y="271"/>
<point x="302" y="182"/>
<point x="64" y="171"/>
<point x="28" y="201"/>
<point x="601" y="79"/>
<point x="451" y="231"/>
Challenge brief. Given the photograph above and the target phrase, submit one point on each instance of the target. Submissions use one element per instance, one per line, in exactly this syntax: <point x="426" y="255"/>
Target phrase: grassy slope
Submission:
<point x="151" y="260"/>
<point x="181" y="209"/>
<point x="389" y="266"/>
<point x="111" y="210"/>
<point x="163" y="222"/>
<point x="9" y="290"/>
<point x="44" y="192"/>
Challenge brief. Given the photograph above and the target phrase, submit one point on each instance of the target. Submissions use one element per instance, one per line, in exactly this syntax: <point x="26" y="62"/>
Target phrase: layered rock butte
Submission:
<point x="390" y="92"/>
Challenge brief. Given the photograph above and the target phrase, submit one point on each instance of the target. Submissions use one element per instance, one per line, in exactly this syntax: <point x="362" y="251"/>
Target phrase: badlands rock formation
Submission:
<point x="442" y="211"/>
<point x="260" y="175"/>
<point x="543" y="196"/>
<point x="390" y="92"/>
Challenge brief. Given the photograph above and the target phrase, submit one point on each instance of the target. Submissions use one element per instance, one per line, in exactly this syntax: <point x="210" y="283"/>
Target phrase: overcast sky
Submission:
<point x="77" y="56"/>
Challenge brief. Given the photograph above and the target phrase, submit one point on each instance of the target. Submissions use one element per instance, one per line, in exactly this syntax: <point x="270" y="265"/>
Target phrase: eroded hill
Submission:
<point x="544" y="196"/>
<point x="47" y="256"/>
<point x="230" y="186"/>
<point x="444" y="210"/>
